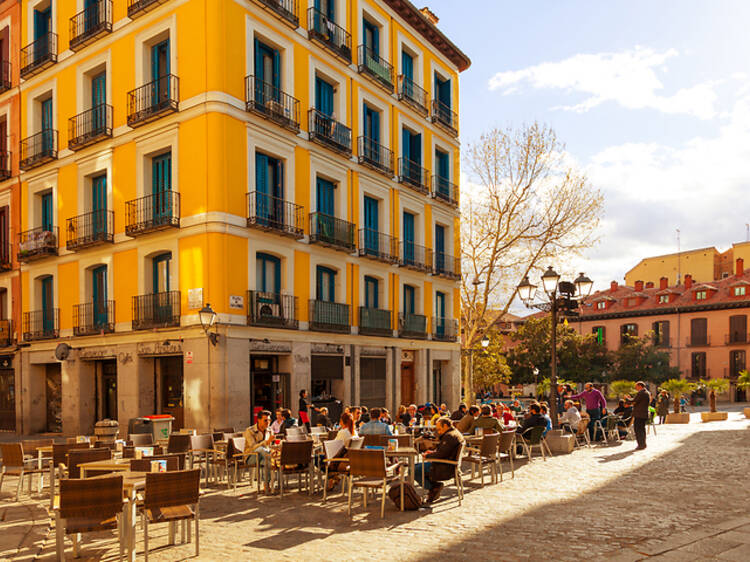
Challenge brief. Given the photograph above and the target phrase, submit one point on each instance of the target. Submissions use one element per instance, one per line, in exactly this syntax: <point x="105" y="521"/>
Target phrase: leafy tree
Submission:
<point x="543" y="386"/>
<point x="620" y="388"/>
<point x="490" y="365"/>
<point x="743" y="379"/>
<point x="714" y="386"/>
<point x="677" y="387"/>
<point x="641" y="359"/>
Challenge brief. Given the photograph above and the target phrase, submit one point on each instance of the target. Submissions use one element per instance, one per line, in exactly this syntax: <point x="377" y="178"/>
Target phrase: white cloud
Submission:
<point x="628" y="78"/>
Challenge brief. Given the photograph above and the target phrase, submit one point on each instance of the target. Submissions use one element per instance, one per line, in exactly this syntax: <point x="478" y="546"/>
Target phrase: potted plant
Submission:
<point x="743" y="383"/>
<point x="621" y="389"/>
<point x="714" y="386"/>
<point x="678" y="387"/>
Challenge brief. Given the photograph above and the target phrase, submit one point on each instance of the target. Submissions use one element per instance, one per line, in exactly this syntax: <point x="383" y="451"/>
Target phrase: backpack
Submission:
<point x="412" y="499"/>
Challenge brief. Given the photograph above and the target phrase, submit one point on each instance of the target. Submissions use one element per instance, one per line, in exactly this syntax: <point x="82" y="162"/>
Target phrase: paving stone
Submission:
<point x="739" y="553"/>
<point x="709" y="547"/>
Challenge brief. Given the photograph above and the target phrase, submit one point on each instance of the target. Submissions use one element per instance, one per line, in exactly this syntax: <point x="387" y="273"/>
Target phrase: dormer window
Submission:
<point x="700" y="295"/>
<point x="739" y="291"/>
<point x="663" y="299"/>
<point x="601" y="305"/>
<point x="632" y="302"/>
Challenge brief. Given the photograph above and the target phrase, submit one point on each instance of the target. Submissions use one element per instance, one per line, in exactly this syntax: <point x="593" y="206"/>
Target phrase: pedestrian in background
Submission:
<point x="640" y="405"/>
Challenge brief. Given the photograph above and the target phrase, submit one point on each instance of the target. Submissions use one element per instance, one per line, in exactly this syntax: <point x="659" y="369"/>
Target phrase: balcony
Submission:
<point x="272" y="310"/>
<point x="330" y="133"/>
<point x="6" y="171"/>
<point x="153" y="100"/>
<point x="137" y="8"/>
<point x="444" y="191"/>
<point x="374" y="66"/>
<point x="412" y="325"/>
<point x="447" y="266"/>
<point x="90" y="229"/>
<point x="443" y="116"/>
<point x="445" y="329"/>
<point x="41" y="324"/>
<point x="271" y="103"/>
<point x="375" y="156"/>
<point x="286" y="10"/>
<point x="329" y="316"/>
<point x="378" y="246"/>
<point x="416" y="257"/>
<point x="662" y="342"/>
<point x="412" y="95"/>
<point x="6" y="82"/>
<point x="329" y="35"/>
<point x="93" y="318"/>
<point x="412" y="174"/>
<point x="39" y="55"/>
<point x="38" y="149"/>
<point x="736" y="338"/>
<point x="6" y="256"/>
<point x="37" y="243"/>
<point x="375" y="322"/>
<point x="274" y="214"/>
<point x="90" y="126"/>
<point x="157" y="310"/>
<point x="90" y="24"/>
<point x="6" y="333"/>
<point x="698" y="341"/>
<point x="152" y="212"/>
<point x="332" y="232"/>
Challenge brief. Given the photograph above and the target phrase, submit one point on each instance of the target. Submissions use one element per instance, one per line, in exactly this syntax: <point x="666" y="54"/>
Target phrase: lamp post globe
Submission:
<point x="485" y="342"/>
<point x="583" y="285"/>
<point x="526" y="290"/>
<point x="207" y="316"/>
<point x="550" y="279"/>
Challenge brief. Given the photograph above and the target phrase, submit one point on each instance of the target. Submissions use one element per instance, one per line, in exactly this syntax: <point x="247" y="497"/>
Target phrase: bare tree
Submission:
<point x="531" y="204"/>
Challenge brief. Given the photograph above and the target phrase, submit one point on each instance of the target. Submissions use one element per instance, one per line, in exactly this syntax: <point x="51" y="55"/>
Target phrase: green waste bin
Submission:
<point x="161" y="426"/>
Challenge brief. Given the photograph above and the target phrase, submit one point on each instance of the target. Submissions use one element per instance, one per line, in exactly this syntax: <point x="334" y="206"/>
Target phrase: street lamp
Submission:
<point x="485" y="342"/>
<point x="207" y="317"/>
<point x="552" y="285"/>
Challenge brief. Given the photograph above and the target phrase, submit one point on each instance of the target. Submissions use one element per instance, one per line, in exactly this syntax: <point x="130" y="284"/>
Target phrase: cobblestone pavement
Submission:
<point x="684" y="498"/>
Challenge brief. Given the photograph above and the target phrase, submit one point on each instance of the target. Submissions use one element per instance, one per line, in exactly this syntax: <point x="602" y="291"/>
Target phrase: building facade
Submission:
<point x="294" y="164"/>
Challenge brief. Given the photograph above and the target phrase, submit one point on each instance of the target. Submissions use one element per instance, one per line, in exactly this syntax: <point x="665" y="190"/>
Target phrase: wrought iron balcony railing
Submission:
<point x="444" y="190"/>
<point x="416" y="257"/>
<point x="330" y="133"/>
<point x="6" y="169"/>
<point x="153" y="212"/>
<point x="332" y="232"/>
<point x="412" y="174"/>
<point x="271" y="103"/>
<point x="157" y="310"/>
<point x="378" y="246"/>
<point x="698" y="341"/>
<point x="89" y="229"/>
<point x="329" y="316"/>
<point x="90" y="24"/>
<point x="373" y="65"/>
<point x="736" y="337"/>
<point x="41" y="324"/>
<point x="272" y="309"/>
<point x="37" y="243"/>
<point x="39" y="55"/>
<point x="6" y="333"/>
<point x="412" y="325"/>
<point x="445" y="329"/>
<point x="153" y="100"/>
<point x="6" y="256"/>
<point x="90" y="126"/>
<point x="286" y="10"/>
<point x="375" y="322"/>
<point x="137" y="8"/>
<point x="6" y="79"/>
<point x="272" y="213"/>
<point x="97" y="317"/>
<point x="38" y="149"/>
<point x="413" y="95"/>
<point x="375" y="156"/>
<point x="444" y="116"/>
<point x="329" y="35"/>
<point x="447" y="266"/>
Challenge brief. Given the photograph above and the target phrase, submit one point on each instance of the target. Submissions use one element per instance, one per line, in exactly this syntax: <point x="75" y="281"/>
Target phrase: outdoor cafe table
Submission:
<point x="409" y="453"/>
<point x="113" y="465"/>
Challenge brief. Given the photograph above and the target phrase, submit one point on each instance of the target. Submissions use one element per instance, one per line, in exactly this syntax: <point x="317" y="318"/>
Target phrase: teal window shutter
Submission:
<point x="261" y="173"/>
<point x="371" y="292"/>
<point x="407" y="65"/>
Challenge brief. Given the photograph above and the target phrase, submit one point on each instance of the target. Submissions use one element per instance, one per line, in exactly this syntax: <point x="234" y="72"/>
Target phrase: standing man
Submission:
<point x="596" y="405"/>
<point x="640" y="413"/>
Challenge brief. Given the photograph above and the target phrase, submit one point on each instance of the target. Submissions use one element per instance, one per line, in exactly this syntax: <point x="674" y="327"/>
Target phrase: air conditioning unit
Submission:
<point x="267" y="310"/>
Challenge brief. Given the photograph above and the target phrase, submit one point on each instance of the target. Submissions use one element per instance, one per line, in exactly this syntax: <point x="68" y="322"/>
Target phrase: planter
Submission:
<point x="746" y="411"/>
<point x="678" y="418"/>
<point x="560" y="443"/>
<point x="713" y="416"/>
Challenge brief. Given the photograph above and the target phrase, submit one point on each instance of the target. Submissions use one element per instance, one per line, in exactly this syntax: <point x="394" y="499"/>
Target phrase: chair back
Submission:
<point x="224" y="430"/>
<point x="140" y="439"/>
<point x="60" y="451"/>
<point x="76" y="457"/>
<point x="295" y="433"/>
<point x="612" y="422"/>
<point x="235" y="446"/>
<point x="218" y="436"/>
<point x="111" y="445"/>
<point x="296" y="452"/>
<point x="404" y="440"/>
<point x="356" y="443"/>
<point x="488" y="447"/>
<point x="332" y="434"/>
<point x="144" y="465"/>
<point x="533" y="435"/>
<point x="375" y="440"/>
<point x="166" y="489"/>
<point x="96" y="498"/>
<point x="178" y="443"/>
<point x="12" y="455"/>
<point x="369" y="463"/>
<point x="583" y="425"/>
<point x="203" y="441"/>
<point x="31" y="446"/>
<point x="128" y="452"/>
<point x="505" y="444"/>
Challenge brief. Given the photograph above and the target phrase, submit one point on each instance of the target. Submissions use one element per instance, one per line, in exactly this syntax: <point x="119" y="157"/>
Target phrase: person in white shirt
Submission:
<point x="276" y="425"/>
<point x="570" y="417"/>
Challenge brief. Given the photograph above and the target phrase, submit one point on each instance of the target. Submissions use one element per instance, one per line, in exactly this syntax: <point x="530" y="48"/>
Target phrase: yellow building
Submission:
<point x="294" y="164"/>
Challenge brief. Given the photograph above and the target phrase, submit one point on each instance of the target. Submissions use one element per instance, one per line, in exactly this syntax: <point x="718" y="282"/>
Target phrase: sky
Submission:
<point x="652" y="100"/>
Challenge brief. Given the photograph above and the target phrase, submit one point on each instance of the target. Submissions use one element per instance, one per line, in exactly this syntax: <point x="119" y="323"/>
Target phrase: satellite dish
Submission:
<point x="62" y="351"/>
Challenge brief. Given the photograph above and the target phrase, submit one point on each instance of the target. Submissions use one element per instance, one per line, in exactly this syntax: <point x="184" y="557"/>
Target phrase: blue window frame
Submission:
<point x="42" y="21"/>
<point x="47" y="211"/>
<point x="408" y="237"/>
<point x="269" y="189"/>
<point x="99" y="294"/>
<point x="161" y="183"/>
<point x="99" y="204"/>
<point x="440" y="313"/>
<point x="327" y="8"/>
<point x="443" y="91"/>
<point x="443" y="171"/>
<point x="409" y="299"/>
<point x="325" y="191"/>
<point x="98" y="99"/>
<point x="323" y="96"/>
<point x="439" y="247"/>
<point x="407" y="65"/>
<point x="47" y="126"/>
<point x="48" y="304"/>
<point x="371" y="118"/>
<point x="160" y="59"/>
<point x="371" y="225"/>
<point x="267" y="273"/>
<point x="161" y="265"/>
<point x="411" y="146"/>
<point x="267" y="70"/>
<point x="325" y="284"/>
<point x="371" y="36"/>
<point x="371" y="292"/>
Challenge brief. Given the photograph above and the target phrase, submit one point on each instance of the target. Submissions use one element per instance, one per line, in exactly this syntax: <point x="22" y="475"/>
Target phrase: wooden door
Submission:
<point x="407" y="384"/>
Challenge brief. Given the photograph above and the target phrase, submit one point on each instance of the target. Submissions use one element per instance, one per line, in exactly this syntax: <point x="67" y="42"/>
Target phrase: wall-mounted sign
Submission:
<point x="189" y="357"/>
<point x="407" y="356"/>
<point x="195" y="298"/>
<point x="237" y="301"/>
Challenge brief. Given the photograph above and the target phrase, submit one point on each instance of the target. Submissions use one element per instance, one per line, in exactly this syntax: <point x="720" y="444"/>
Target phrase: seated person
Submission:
<point x="534" y="419"/>
<point x="486" y="421"/>
<point x="625" y="411"/>
<point x="444" y="411"/>
<point x="276" y="425"/>
<point x="345" y="434"/>
<point x="465" y="422"/>
<point x="507" y="415"/>
<point x="258" y="440"/>
<point x="571" y="417"/>
<point x="448" y="447"/>
<point x="545" y="412"/>
<point x="458" y="414"/>
<point x="374" y="426"/>
<point x="288" y="422"/>
<point x="516" y="406"/>
<point x="385" y="417"/>
<point x="323" y="420"/>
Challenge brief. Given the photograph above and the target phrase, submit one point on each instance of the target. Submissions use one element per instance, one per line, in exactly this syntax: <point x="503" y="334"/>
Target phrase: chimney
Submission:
<point x="663" y="283"/>
<point x="740" y="267"/>
<point x="613" y="286"/>
<point x="649" y="284"/>
<point x="639" y="286"/>
<point x="688" y="281"/>
<point x="430" y="15"/>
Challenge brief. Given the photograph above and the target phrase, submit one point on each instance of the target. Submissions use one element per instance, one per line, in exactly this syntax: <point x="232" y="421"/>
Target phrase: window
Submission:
<point x="42" y="25"/>
<point x="443" y="91"/>
<point x="371" y="36"/>
<point x="411" y="147"/>
<point x="628" y="331"/>
<point x="267" y="273"/>
<point x="698" y="365"/>
<point x="739" y="291"/>
<point x="325" y="190"/>
<point x="661" y="333"/>
<point x="736" y="362"/>
<point x="48" y="303"/>
<point x="439" y="239"/>
<point x="323" y="96"/>
<point x="267" y="70"/>
<point x="407" y="65"/>
<point x="440" y="320"/>
<point x="371" y="226"/>
<point x="269" y="178"/>
<point x="46" y="205"/>
<point x="409" y="299"/>
<point x="326" y="284"/>
<point x="371" y="119"/>
<point x="48" y="135"/>
<point x="408" y="236"/>
<point x="99" y="205"/>
<point x="738" y="328"/>
<point x="699" y="331"/>
<point x="4" y="237"/>
<point x="99" y="295"/>
<point x="601" y="305"/>
<point x="599" y="334"/>
<point x="700" y="295"/>
<point x="663" y="299"/>
<point x="632" y="302"/>
<point x="371" y="292"/>
<point x="160" y="274"/>
<point x="327" y="8"/>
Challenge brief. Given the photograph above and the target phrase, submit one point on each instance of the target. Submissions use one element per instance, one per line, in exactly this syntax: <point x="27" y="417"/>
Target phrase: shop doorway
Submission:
<point x="407" y="384"/>
<point x="108" y="382"/>
<point x="53" y="377"/>
<point x="172" y="389"/>
<point x="437" y="382"/>
<point x="7" y="400"/>
<point x="372" y="382"/>
<point x="269" y="389"/>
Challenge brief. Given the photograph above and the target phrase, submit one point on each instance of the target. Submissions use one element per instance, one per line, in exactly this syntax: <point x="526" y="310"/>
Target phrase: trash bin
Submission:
<point x="161" y="425"/>
<point x="139" y="425"/>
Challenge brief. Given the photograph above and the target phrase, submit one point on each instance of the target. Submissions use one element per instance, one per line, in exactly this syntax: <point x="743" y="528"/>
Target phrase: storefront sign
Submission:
<point x="158" y="348"/>
<point x="330" y="348"/>
<point x="195" y="298"/>
<point x="237" y="301"/>
<point x="94" y="353"/>
<point x="407" y="356"/>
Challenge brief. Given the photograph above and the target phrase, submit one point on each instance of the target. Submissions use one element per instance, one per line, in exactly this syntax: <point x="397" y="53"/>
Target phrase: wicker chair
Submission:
<point x="506" y="448"/>
<point x="582" y="433"/>
<point x="15" y="465"/>
<point x="76" y="457"/>
<point x="144" y="465"/>
<point x="295" y="458"/>
<point x="457" y="476"/>
<point x="86" y="506"/>
<point x="178" y="443"/>
<point x="237" y="461"/>
<point x="58" y="466"/>
<point x="202" y="453"/>
<point x="484" y="456"/>
<point x="140" y="439"/>
<point x="171" y="497"/>
<point x="534" y="437"/>
<point x="224" y="430"/>
<point x="338" y="465"/>
<point x="368" y="470"/>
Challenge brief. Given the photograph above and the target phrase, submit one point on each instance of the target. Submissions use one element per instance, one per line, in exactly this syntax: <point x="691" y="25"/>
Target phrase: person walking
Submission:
<point x="640" y="413"/>
<point x="662" y="406"/>
<point x="596" y="405"/>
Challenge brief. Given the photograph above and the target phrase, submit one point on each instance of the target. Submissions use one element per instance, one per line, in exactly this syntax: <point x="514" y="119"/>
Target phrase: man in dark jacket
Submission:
<point x="534" y="419"/>
<point x="460" y="413"/>
<point x="448" y="448"/>
<point x="640" y="413"/>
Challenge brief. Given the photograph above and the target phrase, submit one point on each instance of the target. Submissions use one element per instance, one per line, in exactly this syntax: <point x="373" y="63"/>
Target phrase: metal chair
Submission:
<point x="339" y="465"/>
<point x="534" y="437"/>
<point x="178" y="443"/>
<point x="484" y="456"/>
<point x="15" y="465"/>
<point x="457" y="476"/>
<point x="140" y="439"/>
<point x="582" y="433"/>
<point x="506" y="447"/>
<point x="367" y="469"/>
<point x="295" y="458"/>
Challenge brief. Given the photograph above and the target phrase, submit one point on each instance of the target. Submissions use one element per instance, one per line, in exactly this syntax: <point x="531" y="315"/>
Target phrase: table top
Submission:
<point x="130" y="480"/>
<point x="112" y="464"/>
<point x="402" y="452"/>
<point x="44" y="449"/>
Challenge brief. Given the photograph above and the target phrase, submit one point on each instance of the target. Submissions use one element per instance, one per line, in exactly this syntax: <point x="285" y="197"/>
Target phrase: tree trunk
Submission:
<point x="712" y="400"/>
<point x="677" y="404"/>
